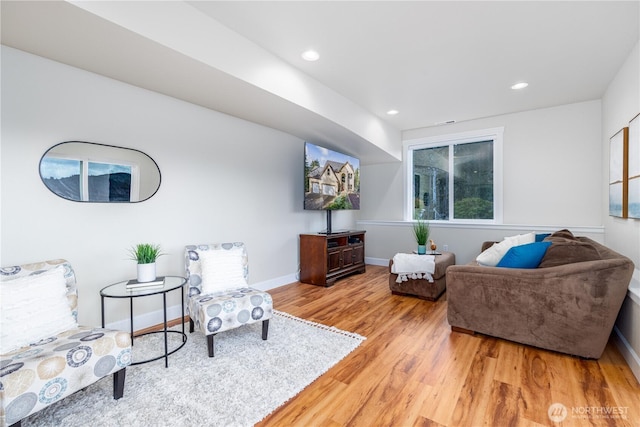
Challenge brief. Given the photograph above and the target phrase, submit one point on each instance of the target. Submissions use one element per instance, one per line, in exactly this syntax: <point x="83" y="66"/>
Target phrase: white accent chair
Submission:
<point x="219" y="298"/>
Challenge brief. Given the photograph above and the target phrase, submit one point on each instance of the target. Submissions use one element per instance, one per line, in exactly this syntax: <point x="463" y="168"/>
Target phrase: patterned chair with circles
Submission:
<point x="219" y="298"/>
<point x="44" y="355"/>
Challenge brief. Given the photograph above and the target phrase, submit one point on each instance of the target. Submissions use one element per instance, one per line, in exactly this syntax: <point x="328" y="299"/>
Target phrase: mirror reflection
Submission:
<point x="92" y="172"/>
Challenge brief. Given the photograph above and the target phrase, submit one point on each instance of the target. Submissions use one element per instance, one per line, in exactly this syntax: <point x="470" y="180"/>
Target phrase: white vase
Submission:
<point x="147" y="272"/>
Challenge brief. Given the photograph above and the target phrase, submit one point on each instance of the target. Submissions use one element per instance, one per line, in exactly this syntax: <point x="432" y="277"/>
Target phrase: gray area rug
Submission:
<point x="246" y="380"/>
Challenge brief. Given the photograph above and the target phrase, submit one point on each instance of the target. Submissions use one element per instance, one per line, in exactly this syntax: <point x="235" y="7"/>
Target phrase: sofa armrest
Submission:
<point x="487" y="245"/>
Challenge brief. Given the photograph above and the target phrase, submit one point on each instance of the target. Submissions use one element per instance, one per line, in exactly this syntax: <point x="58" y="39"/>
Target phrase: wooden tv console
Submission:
<point x="327" y="258"/>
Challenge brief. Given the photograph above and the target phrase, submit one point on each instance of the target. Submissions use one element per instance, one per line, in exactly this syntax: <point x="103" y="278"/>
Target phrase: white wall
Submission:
<point x="223" y="179"/>
<point x="228" y="179"/>
<point x="552" y="179"/>
<point x="620" y="104"/>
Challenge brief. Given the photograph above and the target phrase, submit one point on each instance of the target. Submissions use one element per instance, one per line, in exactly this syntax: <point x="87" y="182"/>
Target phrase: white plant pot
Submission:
<point x="147" y="272"/>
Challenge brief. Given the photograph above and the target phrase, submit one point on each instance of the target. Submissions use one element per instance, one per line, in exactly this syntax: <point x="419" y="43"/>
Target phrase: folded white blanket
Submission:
<point x="412" y="266"/>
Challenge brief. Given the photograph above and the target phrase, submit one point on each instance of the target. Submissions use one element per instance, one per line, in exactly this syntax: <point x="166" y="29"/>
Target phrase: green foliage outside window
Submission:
<point x="473" y="208"/>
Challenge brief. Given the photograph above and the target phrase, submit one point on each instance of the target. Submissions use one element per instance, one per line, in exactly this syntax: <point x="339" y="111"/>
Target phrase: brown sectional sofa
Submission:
<point x="567" y="307"/>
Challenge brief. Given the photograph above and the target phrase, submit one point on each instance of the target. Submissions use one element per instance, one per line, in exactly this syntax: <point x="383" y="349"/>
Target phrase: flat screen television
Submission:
<point x="331" y="180"/>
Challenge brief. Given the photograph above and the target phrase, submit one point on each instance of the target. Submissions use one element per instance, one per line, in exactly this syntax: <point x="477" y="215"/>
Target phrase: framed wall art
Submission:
<point x="634" y="167"/>
<point x="619" y="173"/>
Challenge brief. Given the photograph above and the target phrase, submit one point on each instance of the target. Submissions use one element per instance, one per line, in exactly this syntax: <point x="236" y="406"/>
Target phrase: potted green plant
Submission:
<point x="146" y="254"/>
<point x="421" y="232"/>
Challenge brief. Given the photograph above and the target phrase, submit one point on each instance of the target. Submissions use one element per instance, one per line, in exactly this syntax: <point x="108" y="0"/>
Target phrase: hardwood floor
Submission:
<point x="413" y="371"/>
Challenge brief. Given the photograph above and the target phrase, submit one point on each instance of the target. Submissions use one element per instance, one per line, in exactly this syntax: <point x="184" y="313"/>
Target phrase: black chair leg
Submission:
<point x="210" y="344"/>
<point x="191" y="325"/>
<point x="118" y="383"/>
<point x="265" y="329"/>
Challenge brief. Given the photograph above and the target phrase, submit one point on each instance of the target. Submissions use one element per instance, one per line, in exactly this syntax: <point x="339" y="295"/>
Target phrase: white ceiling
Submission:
<point x="436" y="61"/>
<point x="433" y="61"/>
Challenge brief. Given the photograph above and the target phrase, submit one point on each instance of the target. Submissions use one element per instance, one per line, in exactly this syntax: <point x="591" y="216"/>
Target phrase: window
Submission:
<point x="83" y="180"/>
<point x="455" y="177"/>
<point x="64" y="176"/>
<point x="328" y="190"/>
<point x="109" y="182"/>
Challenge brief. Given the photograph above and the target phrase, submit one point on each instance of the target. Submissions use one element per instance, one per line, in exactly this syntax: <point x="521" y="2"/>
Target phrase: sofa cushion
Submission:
<point x="567" y="251"/>
<point x="524" y="256"/>
<point x="35" y="377"/>
<point x="561" y="235"/>
<point x="34" y="307"/>
<point x="492" y="256"/>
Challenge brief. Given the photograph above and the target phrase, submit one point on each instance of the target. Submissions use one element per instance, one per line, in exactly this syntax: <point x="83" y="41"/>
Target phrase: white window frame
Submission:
<point x="495" y="134"/>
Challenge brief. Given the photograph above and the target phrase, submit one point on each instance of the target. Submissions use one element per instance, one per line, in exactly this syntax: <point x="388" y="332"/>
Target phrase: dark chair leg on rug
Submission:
<point x="191" y="325"/>
<point x="210" y="344"/>
<point x="118" y="383"/>
<point x="265" y="329"/>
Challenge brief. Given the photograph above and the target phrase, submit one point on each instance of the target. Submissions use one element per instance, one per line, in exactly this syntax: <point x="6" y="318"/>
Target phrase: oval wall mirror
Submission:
<point x="91" y="172"/>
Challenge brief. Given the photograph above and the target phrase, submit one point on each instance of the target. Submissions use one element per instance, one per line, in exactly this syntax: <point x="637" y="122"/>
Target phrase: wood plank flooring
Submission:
<point x="413" y="371"/>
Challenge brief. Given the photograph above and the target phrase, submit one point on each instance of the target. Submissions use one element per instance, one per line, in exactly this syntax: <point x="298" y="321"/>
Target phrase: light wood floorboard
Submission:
<point x="412" y="370"/>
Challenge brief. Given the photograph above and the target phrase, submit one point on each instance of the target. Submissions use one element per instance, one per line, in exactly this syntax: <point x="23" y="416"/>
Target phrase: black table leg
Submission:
<point x="102" y="309"/>
<point x="131" y="318"/>
<point x="184" y="336"/>
<point x="166" y="342"/>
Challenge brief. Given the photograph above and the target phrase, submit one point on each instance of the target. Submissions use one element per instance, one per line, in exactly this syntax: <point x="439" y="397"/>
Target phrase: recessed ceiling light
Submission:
<point x="392" y="112"/>
<point x="310" y="55"/>
<point x="520" y="85"/>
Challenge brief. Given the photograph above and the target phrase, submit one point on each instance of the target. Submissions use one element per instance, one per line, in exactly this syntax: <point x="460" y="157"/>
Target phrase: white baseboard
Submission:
<point x="632" y="358"/>
<point x="274" y="283"/>
<point x="154" y="318"/>
<point x="377" y="261"/>
<point x="146" y="320"/>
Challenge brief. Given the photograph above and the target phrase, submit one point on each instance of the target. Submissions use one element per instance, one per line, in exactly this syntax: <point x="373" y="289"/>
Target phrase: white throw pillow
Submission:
<point x="523" y="239"/>
<point x="33" y="308"/>
<point x="222" y="269"/>
<point x="492" y="256"/>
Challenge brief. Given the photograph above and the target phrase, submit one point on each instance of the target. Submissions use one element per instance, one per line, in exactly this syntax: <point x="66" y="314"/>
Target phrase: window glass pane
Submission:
<point x="431" y="183"/>
<point x="109" y="182"/>
<point x="473" y="180"/>
<point x="63" y="177"/>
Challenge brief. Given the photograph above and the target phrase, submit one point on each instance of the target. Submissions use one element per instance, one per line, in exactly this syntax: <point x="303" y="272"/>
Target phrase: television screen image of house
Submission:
<point x="332" y="179"/>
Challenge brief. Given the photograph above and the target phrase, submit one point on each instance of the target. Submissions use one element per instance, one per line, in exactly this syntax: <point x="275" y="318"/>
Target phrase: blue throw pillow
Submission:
<point x="540" y="237"/>
<point x="524" y="256"/>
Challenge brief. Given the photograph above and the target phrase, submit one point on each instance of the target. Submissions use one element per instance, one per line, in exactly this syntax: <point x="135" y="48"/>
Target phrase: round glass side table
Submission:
<point x="168" y="284"/>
